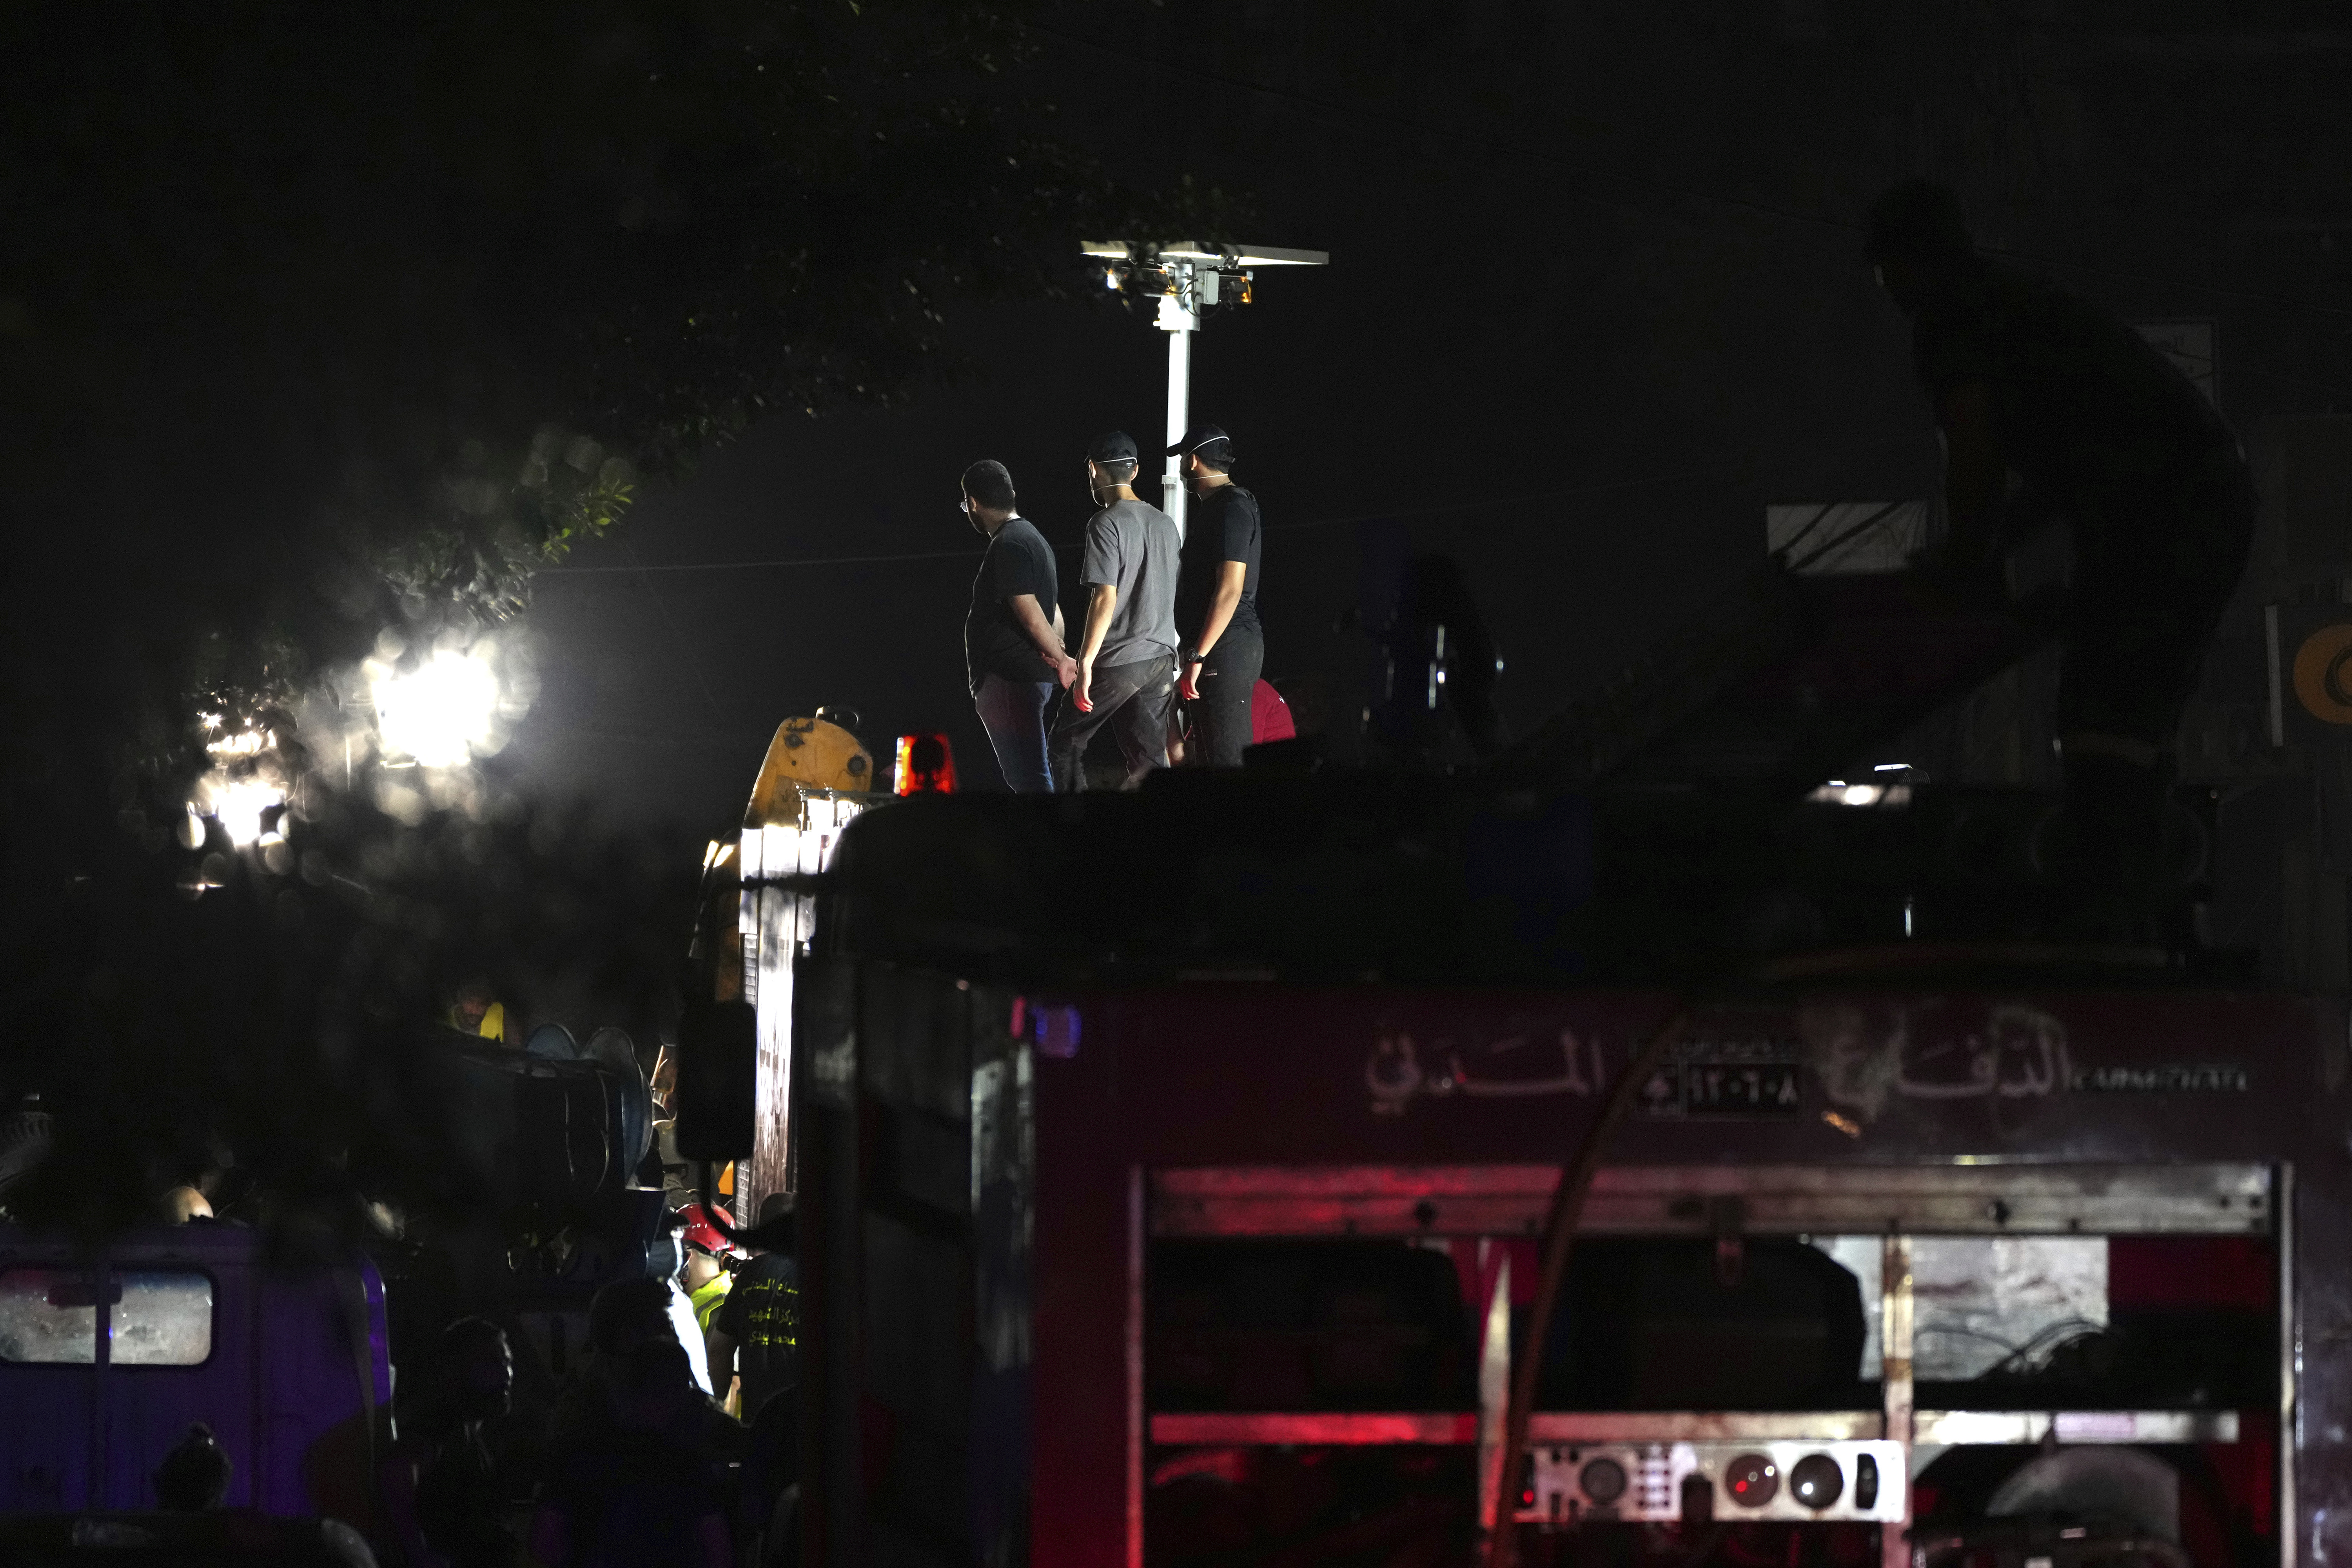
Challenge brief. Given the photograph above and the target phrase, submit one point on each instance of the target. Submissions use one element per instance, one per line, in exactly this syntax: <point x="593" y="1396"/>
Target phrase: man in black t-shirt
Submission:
<point x="2107" y="432"/>
<point x="1216" y="602"/>
<point x="1013" y="651"/>
<point x="633" y="1492"/>
<point x="438" y="1484"/>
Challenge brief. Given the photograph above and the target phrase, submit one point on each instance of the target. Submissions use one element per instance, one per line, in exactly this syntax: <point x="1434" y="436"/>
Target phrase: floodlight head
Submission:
<point x="1191" y="277"/>
<point x="1200" y="253"/>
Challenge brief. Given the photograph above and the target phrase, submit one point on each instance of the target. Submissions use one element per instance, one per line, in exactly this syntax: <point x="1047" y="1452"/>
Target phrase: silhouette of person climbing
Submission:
<point x="2100" y="430"/>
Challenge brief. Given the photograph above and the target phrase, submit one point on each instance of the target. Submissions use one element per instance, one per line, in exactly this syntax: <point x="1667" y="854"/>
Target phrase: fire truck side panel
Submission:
<point x="1417" y="1086"/>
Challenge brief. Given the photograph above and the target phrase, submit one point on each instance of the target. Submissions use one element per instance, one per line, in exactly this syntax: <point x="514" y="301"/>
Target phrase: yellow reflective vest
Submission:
<point x="707" y="1300"/>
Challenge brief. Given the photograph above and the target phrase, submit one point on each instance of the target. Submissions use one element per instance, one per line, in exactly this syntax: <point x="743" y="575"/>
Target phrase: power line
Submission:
<point x="754" y="565"/>
<point x="1490" y="502"/>
<point x="676" y="634"/>
<point x="1642" y="181"/>
<point x="1741" y="471"/>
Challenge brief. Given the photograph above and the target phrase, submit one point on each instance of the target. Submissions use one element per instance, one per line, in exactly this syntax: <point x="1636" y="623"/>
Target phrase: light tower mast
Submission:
<point x="1190" y="279"/>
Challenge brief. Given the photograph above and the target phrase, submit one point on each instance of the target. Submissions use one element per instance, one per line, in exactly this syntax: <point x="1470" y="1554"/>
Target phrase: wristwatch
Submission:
<point x="1187" y="655"/>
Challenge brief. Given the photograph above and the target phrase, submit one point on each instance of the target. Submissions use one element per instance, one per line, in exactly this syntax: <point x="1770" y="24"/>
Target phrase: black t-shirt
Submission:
<point x="635" y="1499"/>
<point x="762" y="1315"/>
<point x="1018" y="561"/>
<point x="771" y="1459"/>
<point x="459" y="1504"/>
<point x="1225" y="527"/>
<point x="2087" y="412"/>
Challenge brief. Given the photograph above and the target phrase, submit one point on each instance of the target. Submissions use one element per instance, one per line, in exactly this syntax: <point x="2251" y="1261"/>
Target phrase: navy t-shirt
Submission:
<point x="1225" y="527"/>
<point x="1018" y="561"/>
<point x="762" y="1315"/>
<point x="635" y="1499"/>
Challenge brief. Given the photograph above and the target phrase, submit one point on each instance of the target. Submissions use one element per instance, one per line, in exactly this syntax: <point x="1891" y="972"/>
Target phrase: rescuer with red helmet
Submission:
<point x="710" y="1259"/>
<point x="708" y="1273"/>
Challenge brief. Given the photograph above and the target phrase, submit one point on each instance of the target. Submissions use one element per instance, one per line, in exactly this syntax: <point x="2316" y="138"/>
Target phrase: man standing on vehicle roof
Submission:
<point x="1013" y="652"/>
<point x="1216" y="602"/>
<point x="2106" y="432"/>
<point x="1126" y="662"/>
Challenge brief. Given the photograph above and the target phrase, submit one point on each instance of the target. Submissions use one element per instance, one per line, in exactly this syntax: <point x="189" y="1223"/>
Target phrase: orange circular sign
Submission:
<point x="2323" y="674"/>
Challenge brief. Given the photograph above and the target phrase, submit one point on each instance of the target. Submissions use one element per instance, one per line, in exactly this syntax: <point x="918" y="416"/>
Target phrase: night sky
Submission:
<point x="1596" y="298"/>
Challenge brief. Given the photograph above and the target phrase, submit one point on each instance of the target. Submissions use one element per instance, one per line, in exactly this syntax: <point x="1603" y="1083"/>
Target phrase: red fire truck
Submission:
<point x="1165" y="1257"/>
<point x="1178" y="1170"/>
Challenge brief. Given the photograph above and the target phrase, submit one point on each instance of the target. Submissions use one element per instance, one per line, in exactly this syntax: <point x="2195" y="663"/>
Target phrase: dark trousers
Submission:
<point x="2153" y="573"/>
<point x="1014" y="714"/>
<point x="1221" y="716"/>
<point x="1134" y="700"/>
<point x="2151" y="576"/>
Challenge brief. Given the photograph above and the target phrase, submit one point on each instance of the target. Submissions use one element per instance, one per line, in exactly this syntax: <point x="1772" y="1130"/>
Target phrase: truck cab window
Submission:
<point x="159" y="1317"/>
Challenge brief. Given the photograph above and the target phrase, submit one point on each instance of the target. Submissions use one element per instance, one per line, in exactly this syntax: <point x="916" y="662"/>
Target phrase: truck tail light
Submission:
<point x="926" y="765"/>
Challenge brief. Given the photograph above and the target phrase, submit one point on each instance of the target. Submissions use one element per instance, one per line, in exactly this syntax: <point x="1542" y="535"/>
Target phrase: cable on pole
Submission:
<point x="1568" y="1201"/>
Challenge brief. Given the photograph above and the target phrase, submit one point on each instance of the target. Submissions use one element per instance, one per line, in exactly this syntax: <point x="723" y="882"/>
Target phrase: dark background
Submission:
<point x="1596" y="298"/>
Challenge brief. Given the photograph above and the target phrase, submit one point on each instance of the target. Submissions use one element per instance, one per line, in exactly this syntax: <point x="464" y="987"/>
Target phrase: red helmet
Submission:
<point x="697" y="1231"/>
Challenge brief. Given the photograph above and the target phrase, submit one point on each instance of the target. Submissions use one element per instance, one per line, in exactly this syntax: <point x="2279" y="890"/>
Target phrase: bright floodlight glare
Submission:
<point x="1837" y="792"/>
<point x="440" y="713"/>
<point x="237" y="805"/>
<point x="237" y="802"/>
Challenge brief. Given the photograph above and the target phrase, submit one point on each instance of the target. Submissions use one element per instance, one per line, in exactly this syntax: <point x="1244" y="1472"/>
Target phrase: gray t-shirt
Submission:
<point x="1133" y="547"/>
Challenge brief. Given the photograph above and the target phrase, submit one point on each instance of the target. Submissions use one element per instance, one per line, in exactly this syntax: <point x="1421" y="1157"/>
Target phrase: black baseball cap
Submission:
<point x="1113" y="446"/>
<point x="1207" y="441"/>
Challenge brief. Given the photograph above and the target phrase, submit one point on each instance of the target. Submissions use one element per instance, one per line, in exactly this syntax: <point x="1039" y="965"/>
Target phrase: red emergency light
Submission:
<point x="926" y="765"/>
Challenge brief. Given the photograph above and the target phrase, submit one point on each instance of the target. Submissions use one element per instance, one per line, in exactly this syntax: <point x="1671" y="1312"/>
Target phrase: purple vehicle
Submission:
<point x="106" y="1360"/>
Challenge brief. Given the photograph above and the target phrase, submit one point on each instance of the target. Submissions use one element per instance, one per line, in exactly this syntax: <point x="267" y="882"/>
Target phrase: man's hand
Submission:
<point x="1046" y="635"/>
<point x="1188" y="684"/>
<point x="1079" y="692"/>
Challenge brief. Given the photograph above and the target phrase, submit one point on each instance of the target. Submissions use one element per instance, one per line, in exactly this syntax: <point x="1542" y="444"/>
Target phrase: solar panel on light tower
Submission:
<point x="1189" y="278"/>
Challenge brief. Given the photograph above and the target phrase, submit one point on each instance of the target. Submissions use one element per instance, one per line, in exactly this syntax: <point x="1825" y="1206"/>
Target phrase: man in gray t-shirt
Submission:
<point x="1127" y="659"/>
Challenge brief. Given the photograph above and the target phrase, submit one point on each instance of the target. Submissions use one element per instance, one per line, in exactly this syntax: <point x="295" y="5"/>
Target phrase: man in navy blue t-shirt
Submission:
<point x="1013" y="651"/>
